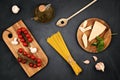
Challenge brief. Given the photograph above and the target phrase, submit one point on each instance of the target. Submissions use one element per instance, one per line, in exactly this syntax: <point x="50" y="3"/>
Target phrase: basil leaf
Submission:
<point x="99" y="44"/>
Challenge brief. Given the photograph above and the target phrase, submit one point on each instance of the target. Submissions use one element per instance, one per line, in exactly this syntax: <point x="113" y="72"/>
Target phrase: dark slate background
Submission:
<point x="57" y="68"/>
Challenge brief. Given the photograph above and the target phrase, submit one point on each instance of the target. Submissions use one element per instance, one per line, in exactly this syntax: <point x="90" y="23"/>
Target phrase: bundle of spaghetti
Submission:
<point x="57" y="42"/>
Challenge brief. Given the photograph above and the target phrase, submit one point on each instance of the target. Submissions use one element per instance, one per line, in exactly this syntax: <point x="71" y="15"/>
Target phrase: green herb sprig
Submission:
<point x="99" y="44"/>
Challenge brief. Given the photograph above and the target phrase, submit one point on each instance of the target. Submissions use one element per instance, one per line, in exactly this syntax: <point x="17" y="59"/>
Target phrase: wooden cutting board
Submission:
<point x="106" y="35"/>
<point x="10" y="33"/>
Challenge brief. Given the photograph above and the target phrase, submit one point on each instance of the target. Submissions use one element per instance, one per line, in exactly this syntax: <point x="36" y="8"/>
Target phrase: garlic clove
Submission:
<point x="100" y="66"/>
<point x="33" y="50"/>
<point x="86" y="62"/>
<point x="15" y="39"/>
<point x="95" y="58"/>
<point x="14" y="42"/>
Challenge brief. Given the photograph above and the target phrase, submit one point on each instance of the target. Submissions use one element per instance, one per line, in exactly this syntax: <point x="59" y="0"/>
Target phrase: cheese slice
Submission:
<point x="82" y="29"/>
<point x="83" y="26"/>
<point x="85" y="23"/>
<point x="84" y="39"/>
<point x="98" y="29"/>
<point x="88" y="28"/>
<point x="85" y="29"/>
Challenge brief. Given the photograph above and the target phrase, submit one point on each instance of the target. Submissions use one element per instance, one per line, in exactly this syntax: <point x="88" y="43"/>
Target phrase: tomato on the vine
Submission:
<point x="20" y="50"/>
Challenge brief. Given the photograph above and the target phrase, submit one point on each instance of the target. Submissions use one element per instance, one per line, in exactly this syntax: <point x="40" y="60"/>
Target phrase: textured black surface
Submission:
<point x="57" y="68"/>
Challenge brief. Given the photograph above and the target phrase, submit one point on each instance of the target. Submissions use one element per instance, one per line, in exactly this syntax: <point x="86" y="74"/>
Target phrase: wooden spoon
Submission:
<point x="63" y="21"/>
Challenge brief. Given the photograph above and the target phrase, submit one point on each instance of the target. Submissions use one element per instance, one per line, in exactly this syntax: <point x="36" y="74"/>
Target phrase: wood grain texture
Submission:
<point x="14" y="48"/>
<point x="106" y="35"/>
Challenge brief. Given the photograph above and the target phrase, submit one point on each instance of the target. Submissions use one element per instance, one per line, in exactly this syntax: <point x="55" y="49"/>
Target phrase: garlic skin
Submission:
<point x="86" y="62"/>
<point x="14" y="42"/>
<point x="95" y="58"/>
<point x="33" y="50"/>
<point x="15" y="9"/>
<point x="100" y="66"/>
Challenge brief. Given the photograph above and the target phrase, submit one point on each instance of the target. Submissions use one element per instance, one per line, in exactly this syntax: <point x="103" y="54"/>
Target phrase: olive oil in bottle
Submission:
<point x="44" y="13"/>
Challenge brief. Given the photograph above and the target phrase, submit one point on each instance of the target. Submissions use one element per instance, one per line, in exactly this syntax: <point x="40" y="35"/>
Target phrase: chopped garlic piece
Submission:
<point x="33" y="50"/>
<point x="84" y="39"/>
<point x="86" y="61"/>
<point x="15" y="9"/>
<point x="95" y="58"/>
<point x="14" y="42"/>
<point x="100" y="66"/>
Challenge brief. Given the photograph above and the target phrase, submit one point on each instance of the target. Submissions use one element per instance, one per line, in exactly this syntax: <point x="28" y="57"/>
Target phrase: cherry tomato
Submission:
<point x="23" y="29"/>
<point x="20" y="36"/>
<point x="25" y="44"/>
<point x="30" y="39"/>
<point x="22" y="40"/>
<point x="31" y="64"/>
<point x="25" y="53"/>
<point x="39" y="60"/>
<point x="28" y="35"/>
<point x="24" y="61"/>
<point x="19" y="31"/>
<point x="19" y="59"/>
<point x="20" y="50"/>
<point x="38" y="64"/>
<point x="28" y="55"/>
<point x="35" y="66"/>
<point x="32" y="57"/>
<point x="25" y="32"/>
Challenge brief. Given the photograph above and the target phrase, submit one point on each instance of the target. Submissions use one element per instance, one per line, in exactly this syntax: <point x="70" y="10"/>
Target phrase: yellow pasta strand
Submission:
<point x="57" y="42"/>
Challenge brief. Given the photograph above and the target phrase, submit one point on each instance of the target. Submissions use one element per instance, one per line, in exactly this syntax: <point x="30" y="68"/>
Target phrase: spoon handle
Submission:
<point x="81" y="9"/>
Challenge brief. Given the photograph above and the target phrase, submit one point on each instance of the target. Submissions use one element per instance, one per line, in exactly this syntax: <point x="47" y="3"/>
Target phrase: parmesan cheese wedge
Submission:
<point x="84" y="39"/>
<point x="98" y="29"/>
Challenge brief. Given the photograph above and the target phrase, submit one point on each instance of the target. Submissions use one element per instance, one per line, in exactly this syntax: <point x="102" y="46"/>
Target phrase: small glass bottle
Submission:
<point x="44" y="13"/>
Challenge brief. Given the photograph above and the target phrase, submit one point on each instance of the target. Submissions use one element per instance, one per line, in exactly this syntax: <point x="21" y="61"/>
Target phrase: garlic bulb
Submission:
<point x="100" y="66"/>
<point x="15" y="9"/>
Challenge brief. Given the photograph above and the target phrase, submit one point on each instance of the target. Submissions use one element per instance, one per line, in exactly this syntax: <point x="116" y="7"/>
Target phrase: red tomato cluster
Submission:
<point x="25" y="57"/>
<point x="24" y="36"/>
